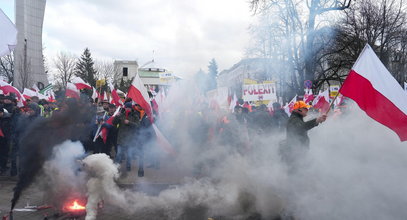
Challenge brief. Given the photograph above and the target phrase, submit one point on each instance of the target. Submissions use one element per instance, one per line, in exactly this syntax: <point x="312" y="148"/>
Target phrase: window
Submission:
<point x="125" y="71"/>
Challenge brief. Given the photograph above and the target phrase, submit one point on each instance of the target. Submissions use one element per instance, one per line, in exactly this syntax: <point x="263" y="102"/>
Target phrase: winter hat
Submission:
<point x="128" y="105"/>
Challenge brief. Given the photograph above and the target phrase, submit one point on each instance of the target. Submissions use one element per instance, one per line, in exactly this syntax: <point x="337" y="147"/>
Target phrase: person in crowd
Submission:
<point x="99" y="146"/>
<point x="297" y="140"/>
<point x="128" y="122"/>
<point x="5" y="136"/>
<point x="260" y="120"/>
<point x="144" y="136"/>
<point x="279" y="118"/>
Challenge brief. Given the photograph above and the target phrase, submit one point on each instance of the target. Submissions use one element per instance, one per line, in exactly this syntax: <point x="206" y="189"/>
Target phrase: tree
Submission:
<point x="106" y="70"/>
<point x="381" y="24"/>
<point x="7" y="67"/>
<point x="65" y="65"/>
<point x="212" y="74"/>
<point x="84" y="68"/>
<point x="296" y="31"/>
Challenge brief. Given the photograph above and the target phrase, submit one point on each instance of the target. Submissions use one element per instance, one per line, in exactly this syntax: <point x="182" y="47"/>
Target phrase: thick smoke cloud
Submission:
<point x="353" y="170"/>
<point x="41" y="136"/>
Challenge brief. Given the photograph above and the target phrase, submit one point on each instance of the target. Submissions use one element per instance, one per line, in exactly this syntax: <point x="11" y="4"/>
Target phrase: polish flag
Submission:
<point x="71" y="91"/>
<point x="28" y="93"/>
<point x="163" y="142"/>
<point x="288" y="108"/>
<point x="377" y="93"/>
<point x="7" y="88"/>
<point x="138" y="93"/>
<point x="80" y="84"/>
<point x="104" y="132"/>
<point x="115" y="97"/>
<point x="308" y="96"/>
<point x="322" y="101"/>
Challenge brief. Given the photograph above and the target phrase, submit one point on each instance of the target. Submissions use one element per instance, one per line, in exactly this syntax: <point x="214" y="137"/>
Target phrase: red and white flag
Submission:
<point x="163" y="142"/>
<point x="322" y="101"/>
<point x="308" y="96"/>
<point x="71" y="91"/>
<point x="377" y="93"/>
<point x="104" y="131"/>
<point x="115" y="97"/>
<point x="138" y="93"/>
<point x="28" y="93"/>
<point x="7" y="88"/>
<point x="80" y="84"/>
<point x="288" y="108"/>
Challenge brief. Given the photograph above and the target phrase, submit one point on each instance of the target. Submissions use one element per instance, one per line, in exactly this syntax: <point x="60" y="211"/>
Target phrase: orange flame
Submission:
<point x="76" y="206"/>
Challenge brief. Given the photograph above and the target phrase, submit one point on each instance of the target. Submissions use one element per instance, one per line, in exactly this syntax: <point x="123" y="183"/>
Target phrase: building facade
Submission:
<point x="28" y="55"/>
<point x="153" y="77"/>
<point x="258" y="69"/>
<point x="127" y="69"/>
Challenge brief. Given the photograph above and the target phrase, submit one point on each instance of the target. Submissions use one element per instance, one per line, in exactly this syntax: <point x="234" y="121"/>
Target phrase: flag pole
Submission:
<point x="332" y="103"/>
<point x="98" y="130"/>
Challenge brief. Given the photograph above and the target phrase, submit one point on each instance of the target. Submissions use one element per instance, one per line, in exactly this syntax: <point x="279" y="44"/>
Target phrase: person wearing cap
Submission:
<point x="297" y="141"/>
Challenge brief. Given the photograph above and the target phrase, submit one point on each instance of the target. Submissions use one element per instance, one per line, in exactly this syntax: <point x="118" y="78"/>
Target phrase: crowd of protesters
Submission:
<point x="125" y="133"/>
<point x="130" y="127"/>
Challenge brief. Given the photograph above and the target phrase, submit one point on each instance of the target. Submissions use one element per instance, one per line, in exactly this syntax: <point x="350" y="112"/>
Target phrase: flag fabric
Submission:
<point x="104" y="131"/>
<point x="115" y="96"/>
<point x="138" y="93"/>
<point x="405" y="86"/>
<point x="46" y="90"/>
<point x="94" y="94"/>
<point x="105" y="97"/>
<point x="28" y="93"/>
<point x="8" y="35"/>
<point x="338" y="101"/>
<point x="321" y="102"/>
<point x="80" y="84"/>
<point x="288" y="108"/>
<point x="71" y="91"/>
<point x="377" y="93"/>
<point x="233" y="103"/>
<point x="163" y="142"/>
<point x="7" y="88"/>
<point x="308" y="96"/>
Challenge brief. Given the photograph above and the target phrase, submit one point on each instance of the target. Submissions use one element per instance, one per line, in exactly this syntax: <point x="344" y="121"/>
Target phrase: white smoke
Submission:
<point x="353" y="170"/>
<point x="62" y="179"/>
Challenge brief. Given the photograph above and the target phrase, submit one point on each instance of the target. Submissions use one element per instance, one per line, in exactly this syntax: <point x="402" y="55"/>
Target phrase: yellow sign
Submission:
<point x="100" y="83"/>
<point x="333" y="90"/>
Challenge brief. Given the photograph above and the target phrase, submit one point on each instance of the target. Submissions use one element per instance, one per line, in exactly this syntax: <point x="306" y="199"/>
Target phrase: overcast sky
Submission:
<point x="185" y="34"/>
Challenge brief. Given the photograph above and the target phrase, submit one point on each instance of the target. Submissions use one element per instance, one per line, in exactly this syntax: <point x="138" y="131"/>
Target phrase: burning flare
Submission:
<point x="76" y="206"/>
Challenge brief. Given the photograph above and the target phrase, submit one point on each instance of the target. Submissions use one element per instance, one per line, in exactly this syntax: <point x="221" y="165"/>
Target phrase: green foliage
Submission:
<point x="85" y="68"/>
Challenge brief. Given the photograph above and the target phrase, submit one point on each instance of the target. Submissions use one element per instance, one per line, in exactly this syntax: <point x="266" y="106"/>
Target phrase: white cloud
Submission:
<point x="184" y="34"/>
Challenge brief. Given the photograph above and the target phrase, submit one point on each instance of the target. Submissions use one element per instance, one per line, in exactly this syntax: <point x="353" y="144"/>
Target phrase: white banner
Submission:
<point x="260" y="92"/>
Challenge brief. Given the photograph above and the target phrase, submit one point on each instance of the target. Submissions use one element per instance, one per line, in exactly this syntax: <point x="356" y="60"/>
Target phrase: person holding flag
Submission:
<point x="129" y="123"/>
<point x="297" y="141"/>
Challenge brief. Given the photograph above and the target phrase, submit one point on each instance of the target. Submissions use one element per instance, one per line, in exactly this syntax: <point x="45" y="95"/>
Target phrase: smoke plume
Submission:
<point x="41" y="136"/>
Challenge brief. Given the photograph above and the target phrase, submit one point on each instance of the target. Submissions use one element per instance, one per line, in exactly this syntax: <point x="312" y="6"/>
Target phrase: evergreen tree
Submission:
<point x="84" y="68"/>
<point x="213" y="73"/>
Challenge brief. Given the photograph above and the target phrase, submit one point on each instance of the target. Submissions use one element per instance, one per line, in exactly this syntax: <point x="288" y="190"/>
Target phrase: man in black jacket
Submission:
<point x="297" y="142"/>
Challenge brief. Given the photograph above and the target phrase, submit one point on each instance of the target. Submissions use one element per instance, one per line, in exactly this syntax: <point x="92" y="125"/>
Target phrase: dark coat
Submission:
<point x="127" y="132"/>
<point x="297" y="130"/>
